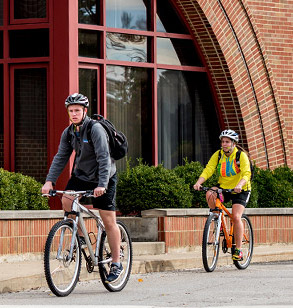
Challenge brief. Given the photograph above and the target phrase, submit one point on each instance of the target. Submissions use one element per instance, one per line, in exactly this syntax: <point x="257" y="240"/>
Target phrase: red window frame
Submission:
<point x="9" y="134"/>
<point x="153" y="34"/>
<point x="16" y="21"/>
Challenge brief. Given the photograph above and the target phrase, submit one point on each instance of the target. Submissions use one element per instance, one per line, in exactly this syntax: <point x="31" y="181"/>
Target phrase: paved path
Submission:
<point x="28" y="273"/>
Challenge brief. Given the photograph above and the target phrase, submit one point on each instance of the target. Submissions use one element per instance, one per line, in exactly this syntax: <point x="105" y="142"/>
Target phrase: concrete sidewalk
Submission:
<point x="27" y="273"/>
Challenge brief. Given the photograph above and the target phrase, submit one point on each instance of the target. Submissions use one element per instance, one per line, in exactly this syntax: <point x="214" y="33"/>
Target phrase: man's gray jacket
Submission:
<point x="92" y="163"/>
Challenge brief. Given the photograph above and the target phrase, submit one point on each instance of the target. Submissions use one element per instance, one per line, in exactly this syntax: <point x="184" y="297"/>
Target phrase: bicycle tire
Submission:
<point x="125" y="258"/>
<point x="210" y="245"/>
<point x="247" y="244"/>
<point x="62" y="275"/>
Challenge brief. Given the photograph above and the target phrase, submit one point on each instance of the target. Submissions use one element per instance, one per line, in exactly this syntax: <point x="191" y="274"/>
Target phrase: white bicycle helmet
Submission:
<point x="77" y="99"/>
<point x="229" y="133"/>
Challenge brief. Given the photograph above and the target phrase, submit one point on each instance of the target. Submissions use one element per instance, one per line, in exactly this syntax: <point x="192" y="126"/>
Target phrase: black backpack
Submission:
<point x="237" y="159"/>
<point x="117" y="140"/>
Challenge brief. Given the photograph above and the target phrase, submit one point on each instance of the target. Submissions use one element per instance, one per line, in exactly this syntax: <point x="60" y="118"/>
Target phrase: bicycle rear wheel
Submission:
<point x="247" y="244"/>
<point x="61" y="273"/>
<point x="125" y="259"/>
<point x="210" y="244"/>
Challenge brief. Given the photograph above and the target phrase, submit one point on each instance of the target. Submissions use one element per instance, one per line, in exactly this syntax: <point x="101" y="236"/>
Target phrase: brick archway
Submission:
<point x="239" y="69"/>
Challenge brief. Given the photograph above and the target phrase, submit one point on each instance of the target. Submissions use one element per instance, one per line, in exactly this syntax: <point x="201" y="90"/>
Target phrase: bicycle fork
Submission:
<point x="218" y="219"/>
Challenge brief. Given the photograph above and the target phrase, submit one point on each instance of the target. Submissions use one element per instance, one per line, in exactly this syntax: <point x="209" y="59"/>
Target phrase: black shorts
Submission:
<point x="105" y="202"/>
<point x="241" y="198"/>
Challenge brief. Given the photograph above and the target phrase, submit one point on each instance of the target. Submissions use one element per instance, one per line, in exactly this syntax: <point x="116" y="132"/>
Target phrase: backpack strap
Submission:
<point x="68" y="137"/>
<point x="238" y="153"/>
<point x="89" y="131"/>
<point x="219" y="156"/>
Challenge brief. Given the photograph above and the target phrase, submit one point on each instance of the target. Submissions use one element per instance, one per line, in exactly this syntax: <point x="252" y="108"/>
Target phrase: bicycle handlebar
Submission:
<point x="218" y="190"/>
<point x="53" y="193"/>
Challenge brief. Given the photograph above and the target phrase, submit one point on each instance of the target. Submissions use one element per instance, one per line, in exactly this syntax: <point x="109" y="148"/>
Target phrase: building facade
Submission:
<point x="171" y="74"/>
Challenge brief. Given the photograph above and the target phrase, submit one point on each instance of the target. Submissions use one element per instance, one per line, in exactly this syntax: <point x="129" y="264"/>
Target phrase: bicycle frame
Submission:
<point x="220" y="207"/>
<point x="78" y="210"/>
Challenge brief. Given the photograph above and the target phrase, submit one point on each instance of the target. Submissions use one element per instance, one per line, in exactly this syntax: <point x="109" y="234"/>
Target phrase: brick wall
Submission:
<point x="20" y="236"/>
<point x="187" y="232"/>
<point x="248" y="47"/>
<point x="183" y="232"/>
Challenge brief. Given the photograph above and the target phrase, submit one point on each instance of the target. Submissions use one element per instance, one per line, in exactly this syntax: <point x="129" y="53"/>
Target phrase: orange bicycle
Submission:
<point x="216" y="228"/>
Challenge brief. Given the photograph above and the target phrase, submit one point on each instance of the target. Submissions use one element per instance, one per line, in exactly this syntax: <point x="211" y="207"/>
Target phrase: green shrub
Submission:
<point x="274" y="187"/>
<point x="190" y="172"/>
<point x="20" y="192"/>
<point x="284" y="173"/>
<point x="145" y="187"/>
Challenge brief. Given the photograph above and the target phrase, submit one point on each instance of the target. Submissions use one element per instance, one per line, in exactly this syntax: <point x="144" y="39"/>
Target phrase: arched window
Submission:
<point x="139" y="66"/>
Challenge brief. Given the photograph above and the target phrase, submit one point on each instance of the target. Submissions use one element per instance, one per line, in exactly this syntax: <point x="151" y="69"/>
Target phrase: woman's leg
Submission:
<point x="237" y="211"/>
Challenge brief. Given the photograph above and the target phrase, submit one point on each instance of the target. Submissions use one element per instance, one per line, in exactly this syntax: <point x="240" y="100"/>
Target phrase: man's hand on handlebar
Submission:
<point x="47" y="187"/>
<point x="99" y="191"/>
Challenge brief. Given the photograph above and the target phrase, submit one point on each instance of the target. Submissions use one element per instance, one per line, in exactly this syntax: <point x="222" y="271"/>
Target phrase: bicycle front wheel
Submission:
<point x="61" y="272"/>
<point x="210" y="244"/>
<point x="125" y="259"/>
<point x="247" y="244"/>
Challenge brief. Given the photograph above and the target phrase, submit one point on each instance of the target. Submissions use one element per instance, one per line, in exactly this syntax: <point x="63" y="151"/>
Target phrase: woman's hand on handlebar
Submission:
<point x="197" y="186"/>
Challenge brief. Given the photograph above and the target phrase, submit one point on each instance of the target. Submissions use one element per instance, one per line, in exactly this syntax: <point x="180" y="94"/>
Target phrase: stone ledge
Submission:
<point x="205" y="212"/>
<point x="159" y="212"/>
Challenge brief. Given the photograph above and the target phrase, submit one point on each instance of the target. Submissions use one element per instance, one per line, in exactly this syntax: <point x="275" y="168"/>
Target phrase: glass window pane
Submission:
<point x="1" y="119"/>
<point x="1" y="44"/>
<point x="88" y="43"/>
<point x="127" y="14"/>
<point x="30" y="122"/>
<point x="88" y="12"/>
<point x="167" y="18"/>
<point x="88" y="86"/>
<point x="30" y="9"/>
<point x="177" y="52"/>
<point x="187" y="120"/>
<point x="126" y="47"/>
<point x="1" y="12"/>
<point x="29" y="43"/>
<point x="129" y="107"/>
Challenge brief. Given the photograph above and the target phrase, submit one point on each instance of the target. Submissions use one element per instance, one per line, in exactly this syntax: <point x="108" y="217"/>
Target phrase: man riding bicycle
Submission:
<point x="93" y="169"/>
<point x="231" y="176"/>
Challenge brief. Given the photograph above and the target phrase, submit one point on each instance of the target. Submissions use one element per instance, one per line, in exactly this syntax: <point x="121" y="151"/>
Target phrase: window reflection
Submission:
<point x="30" y="9"/>
<point x="187" y="121"/>
<point x="88" y="13"/>
<point x="167" y="19"/>
<point x="127" y="14"/>
<point x="126" y="47"/>
<point x="129" y="106"/>
<point x="88" y="86"/>
<point x="177" y="52"/>
<point x="88" y="43"/>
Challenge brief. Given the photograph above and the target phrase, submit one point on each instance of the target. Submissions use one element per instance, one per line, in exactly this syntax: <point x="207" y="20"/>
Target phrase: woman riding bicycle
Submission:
<point x="231" y="176"/>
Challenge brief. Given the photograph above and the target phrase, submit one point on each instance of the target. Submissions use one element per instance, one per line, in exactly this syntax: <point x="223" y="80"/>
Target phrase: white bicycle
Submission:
<point x="63" y="252"/>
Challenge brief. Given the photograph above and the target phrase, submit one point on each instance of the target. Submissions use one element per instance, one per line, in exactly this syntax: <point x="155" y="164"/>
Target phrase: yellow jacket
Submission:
<point x="229" y="173"/>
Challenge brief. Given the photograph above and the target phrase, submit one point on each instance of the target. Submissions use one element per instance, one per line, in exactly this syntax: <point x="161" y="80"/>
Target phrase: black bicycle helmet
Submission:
<point x="77" y="99"/>
<point x="229" y="133"/>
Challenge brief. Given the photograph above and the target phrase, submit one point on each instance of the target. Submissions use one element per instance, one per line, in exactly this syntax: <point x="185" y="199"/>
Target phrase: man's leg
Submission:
<point x="67" y="206"/>
<point x="113" y="233"/>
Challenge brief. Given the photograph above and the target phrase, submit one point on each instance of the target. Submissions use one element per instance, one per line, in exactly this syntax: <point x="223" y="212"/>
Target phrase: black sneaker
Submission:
<point x="82" y="242"/>
<point x="115" y="272"/>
